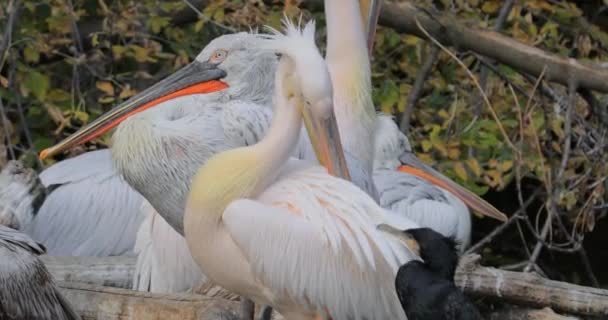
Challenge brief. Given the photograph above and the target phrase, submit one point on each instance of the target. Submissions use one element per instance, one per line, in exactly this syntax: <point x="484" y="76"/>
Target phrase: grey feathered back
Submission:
<point x="27" y="290"/>
<point x="90" y="210"/>
<point x="21" y="194"/>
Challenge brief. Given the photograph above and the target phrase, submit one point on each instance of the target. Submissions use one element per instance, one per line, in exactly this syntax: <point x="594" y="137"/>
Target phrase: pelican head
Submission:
<point x="317" y="94"/>
<point x="230" y="65"/>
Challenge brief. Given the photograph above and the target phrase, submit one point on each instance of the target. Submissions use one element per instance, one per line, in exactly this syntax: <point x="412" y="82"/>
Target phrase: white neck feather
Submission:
<point x="350" y="71"/>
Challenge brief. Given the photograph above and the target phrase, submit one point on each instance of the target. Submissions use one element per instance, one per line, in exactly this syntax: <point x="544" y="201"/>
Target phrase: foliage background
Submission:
<point x="71" y="60"/>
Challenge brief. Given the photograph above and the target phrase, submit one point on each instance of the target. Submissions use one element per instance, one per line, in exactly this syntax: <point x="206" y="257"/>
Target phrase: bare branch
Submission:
<point x="423" y="74"/>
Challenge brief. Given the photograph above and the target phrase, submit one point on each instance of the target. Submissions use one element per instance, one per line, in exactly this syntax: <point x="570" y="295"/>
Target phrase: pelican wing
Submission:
<point x="90" y="209"/>
<point x="20" y="239"/>
<point x="26" y="287"/>
<point x="423" y="202"/>
<point x="164" y="263"/>
<point x="313" y="237"/>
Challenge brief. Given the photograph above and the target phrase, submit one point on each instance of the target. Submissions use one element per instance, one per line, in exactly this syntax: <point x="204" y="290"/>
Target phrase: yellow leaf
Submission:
<point x="506" y="165"/>
<point x="474" y="166"/>
<point x="106" y="87"/>
<point x="490" y="6"/>
<point x="3" y="81"/>
<point x="425" y="157"/>
<point x="440" y="146"/>
<point x="495" y="178"/>
<point x="426" y="145"/>
<point x="411" y="40"/>
<point x="492" y="163"/>
<point x="460" y="171"/>
<point x="80" y="115"/>
<point x="106" y="99"/>
<point x="454" y="153"/>
<point x="127" y="92"/>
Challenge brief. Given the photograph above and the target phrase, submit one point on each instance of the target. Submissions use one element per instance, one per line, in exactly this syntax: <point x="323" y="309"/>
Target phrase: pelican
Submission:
<point x="157" y="147"/>
<point x="284" y="232"/>
<point x="27" y="289"/>
<point x="416" y="191"/>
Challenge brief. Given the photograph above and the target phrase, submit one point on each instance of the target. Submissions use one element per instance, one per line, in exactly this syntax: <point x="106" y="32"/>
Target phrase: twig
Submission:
<point x="472" y="76"/>
<point x="207" y="19"/>
<point x="498" y="230"/>
<point x="7" y="38"/>
<point x="21" y="113"/>
<point x="5" y="126"/>
<point x="500" y="22"/>
<point x="423" y="74"/>
<point x="552" y="201"/>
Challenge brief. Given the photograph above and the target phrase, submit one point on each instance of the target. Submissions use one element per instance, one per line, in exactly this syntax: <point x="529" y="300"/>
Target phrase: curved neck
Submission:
<point x="350" y="71"/>
<point x="246" y="172"/>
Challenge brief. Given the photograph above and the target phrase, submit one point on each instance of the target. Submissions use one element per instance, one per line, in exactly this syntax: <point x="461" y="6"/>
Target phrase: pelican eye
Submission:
<point x="218" y="56"/>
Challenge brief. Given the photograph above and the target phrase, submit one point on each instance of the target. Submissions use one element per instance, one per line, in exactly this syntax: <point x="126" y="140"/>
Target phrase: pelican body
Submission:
<point x="157" y="146"/>
<point x="284" y="232"/>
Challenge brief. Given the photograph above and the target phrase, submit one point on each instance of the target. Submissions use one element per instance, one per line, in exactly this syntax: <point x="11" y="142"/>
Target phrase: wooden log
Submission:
<point x="516" y="313"/>
<point x="103" y="271"/>
<point x="103" y="303"/>
<point x="529" y="289"/>
<point x="519" y="288"/>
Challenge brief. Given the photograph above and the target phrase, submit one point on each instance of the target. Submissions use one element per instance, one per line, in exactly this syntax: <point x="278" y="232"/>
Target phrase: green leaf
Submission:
<point x="31" y="55"/>
<point x="157" y="23"/>
<point x="37" y="83"/>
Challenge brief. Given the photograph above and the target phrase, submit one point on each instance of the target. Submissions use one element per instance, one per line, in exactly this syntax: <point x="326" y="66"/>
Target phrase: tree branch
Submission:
<point x="423" y="73"/>
<point x="529" y="289"/>
<point x="514" y="287"/>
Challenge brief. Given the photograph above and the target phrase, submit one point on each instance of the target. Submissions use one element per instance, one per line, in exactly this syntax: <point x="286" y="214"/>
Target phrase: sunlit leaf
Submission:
<point x="106" y="87"/>
<point x="460" y="171"/>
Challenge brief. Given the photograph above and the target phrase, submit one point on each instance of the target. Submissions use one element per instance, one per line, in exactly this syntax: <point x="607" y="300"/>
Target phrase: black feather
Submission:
<point x="426" y="289"/>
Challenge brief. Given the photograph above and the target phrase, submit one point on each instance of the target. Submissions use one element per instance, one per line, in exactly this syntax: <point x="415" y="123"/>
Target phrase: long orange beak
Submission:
<point x="195" y="78"/>
<point x="370" y="12"/>
<point x="414" y="166"/>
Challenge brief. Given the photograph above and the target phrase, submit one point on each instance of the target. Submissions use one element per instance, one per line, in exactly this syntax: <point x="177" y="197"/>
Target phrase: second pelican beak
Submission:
<point x="195" y="78"/>
<point x="325" y="138"/>
<point x="414" y="166"/>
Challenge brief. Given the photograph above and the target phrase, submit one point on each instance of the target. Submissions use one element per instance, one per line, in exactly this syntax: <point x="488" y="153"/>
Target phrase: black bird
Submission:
<point x="426" y="289"/>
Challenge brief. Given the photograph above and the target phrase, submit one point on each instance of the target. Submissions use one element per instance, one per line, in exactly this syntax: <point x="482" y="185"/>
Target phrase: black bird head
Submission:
<point x="438" y="252"/>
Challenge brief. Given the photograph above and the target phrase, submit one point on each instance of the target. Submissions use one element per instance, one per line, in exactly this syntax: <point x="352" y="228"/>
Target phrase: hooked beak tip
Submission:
<point x="44" y="154"/>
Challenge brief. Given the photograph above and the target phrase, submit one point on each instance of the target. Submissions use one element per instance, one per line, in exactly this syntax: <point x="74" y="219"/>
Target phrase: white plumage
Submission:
<point x="164" y="262"/>
<point x="90" y="210"/>
<point x="297" y="238"/>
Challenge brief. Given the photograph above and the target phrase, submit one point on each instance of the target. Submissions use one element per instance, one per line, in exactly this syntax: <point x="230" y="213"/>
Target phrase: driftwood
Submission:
<point x="103" y="271"/>
<point x="530" y="289"/>
<point x="516" y="313"/>
<point x="103" y="303"/>
<point x="514" y="287"/>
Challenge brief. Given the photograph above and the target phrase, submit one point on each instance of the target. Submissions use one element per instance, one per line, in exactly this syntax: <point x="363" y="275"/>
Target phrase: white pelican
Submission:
<point x="158" y="149"/>
<point x="27" y="290"/>
<point x="283" y="231"/>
